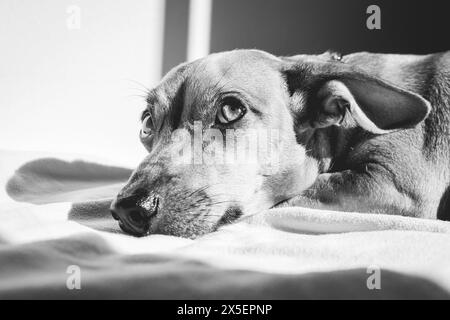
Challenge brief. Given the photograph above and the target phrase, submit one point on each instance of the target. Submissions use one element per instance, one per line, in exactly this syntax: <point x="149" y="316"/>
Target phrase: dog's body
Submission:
<point x="366" y="133"/>
<point x="405" y="172"/>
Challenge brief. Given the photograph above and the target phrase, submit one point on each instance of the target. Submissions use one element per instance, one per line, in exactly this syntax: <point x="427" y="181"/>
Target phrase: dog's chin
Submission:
<point x="182" y="225"/>
<point x="190" y="232"/>
<point x="193" y="225"/>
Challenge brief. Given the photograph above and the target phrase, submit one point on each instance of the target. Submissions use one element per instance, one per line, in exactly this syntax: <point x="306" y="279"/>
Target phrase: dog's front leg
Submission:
<point x="358" y="191"/>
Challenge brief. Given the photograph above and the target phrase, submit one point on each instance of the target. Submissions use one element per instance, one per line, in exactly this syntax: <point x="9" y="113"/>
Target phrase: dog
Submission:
<point x="362" y="132"/>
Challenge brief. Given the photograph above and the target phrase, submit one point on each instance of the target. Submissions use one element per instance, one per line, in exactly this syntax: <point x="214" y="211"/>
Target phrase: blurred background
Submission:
<point x="73" y="74"/>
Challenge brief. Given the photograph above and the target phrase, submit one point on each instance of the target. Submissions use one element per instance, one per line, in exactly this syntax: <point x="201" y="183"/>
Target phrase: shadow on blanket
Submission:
<point x="89" y="186"/>
<point x="149" y="276"/>
<point x="51" y="180"/>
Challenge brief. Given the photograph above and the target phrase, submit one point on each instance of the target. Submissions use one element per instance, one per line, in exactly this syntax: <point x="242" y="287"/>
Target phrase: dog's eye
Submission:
<point x="230" y="111"/>
<point x="336" y="56"/>
<point x="147" y="125"/>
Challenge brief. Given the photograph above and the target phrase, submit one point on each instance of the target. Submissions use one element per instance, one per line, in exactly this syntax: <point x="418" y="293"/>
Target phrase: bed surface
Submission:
<point x="54" y="214"/>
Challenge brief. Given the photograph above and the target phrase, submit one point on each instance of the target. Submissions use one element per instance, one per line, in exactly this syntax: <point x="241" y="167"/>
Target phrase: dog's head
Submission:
<point x="226" y="136"/>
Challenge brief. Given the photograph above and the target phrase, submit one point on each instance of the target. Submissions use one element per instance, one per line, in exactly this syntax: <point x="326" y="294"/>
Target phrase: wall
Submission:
<point x="77" y="90"/>
<point x="287" y="27"/>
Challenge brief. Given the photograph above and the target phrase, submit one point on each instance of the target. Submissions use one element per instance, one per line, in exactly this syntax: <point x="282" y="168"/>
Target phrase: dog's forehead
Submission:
<point x="250" y="70"/>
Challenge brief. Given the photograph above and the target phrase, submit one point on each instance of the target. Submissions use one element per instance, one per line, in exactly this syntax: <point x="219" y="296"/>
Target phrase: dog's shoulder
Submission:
<point x="437" y="125"/>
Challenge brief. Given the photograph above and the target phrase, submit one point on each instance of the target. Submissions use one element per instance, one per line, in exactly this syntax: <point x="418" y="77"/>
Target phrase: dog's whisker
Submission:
<point x="137" y="96"/>
<point x="146" y="89"/>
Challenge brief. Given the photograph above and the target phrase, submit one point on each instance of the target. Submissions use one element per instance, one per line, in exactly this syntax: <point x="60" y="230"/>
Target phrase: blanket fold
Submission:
<point x="54" y="214"/>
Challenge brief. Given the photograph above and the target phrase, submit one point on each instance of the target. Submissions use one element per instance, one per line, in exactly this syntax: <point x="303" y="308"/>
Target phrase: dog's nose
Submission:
<point x="135" y="215"/>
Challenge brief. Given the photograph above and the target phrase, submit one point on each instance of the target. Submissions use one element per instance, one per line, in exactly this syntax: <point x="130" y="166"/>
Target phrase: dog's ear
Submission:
<point x="340" y="97"/>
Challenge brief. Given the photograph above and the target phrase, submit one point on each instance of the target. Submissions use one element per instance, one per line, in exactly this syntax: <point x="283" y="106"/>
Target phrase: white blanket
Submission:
<point x="54" y="217"/>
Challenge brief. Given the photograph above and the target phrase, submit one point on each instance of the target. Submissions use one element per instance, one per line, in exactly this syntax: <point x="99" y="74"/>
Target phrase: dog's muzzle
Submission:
<point x="134" y="213"/>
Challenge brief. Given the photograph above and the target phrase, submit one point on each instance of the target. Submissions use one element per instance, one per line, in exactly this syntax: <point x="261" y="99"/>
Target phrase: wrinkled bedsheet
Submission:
<point x="54" y="219"/>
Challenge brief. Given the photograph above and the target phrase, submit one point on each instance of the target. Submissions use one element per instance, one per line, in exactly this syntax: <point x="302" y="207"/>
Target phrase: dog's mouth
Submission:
<point x="282" y="203"/>
<point x="137" y="228"/>
<point x="232" y="214"/>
